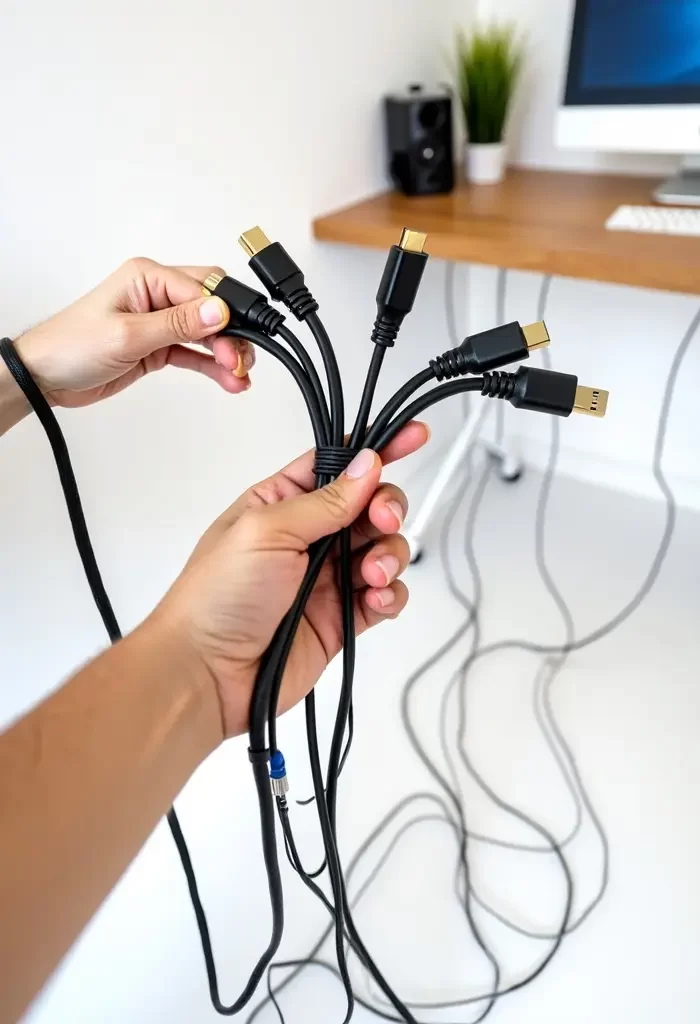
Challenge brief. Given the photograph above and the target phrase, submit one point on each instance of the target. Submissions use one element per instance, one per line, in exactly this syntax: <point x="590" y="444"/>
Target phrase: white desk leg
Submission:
<point x="451" y="466"/>
<point x="508" y="454"/>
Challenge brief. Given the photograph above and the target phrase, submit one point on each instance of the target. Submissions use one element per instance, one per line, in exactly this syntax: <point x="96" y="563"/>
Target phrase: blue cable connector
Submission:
<point x="278" y="774"/>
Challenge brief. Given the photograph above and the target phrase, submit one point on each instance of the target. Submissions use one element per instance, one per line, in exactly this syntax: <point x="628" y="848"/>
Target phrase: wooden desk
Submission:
<point x="547" y="221"/>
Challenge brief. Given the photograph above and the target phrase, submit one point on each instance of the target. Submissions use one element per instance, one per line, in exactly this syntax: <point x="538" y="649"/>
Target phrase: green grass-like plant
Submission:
<point x="488" y="66"/>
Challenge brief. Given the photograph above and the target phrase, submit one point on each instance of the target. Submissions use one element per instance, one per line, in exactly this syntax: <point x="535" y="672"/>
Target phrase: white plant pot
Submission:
<point x="485" y="163"/>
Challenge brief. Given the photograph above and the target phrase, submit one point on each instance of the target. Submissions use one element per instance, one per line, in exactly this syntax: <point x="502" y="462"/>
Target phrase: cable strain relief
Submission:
<point x="385" y="332"/>
<point x="450" y="364"/>
<point x="270" y="320"/>
<point x="498" y="385"/>
<point x="301" y="302"/>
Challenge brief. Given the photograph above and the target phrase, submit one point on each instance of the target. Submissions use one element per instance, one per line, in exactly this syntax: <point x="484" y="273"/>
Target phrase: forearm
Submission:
<point x="84" y="779"/>
<point x="13" y="405"/>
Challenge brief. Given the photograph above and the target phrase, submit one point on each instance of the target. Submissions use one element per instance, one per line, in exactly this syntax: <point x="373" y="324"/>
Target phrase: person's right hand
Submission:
<point x="246" y="571"/>
<point x="142" y="318"/>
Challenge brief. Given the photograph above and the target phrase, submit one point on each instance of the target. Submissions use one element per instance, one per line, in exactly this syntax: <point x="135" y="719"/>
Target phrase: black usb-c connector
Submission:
<point x="491" y="350"/>
<point x="399" y="286"/>
<point x="249" y="308"/>
<point x="277" y="271"/>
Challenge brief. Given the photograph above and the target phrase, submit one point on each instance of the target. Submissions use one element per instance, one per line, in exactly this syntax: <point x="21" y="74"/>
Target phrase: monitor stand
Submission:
<point x="684" y="188"/>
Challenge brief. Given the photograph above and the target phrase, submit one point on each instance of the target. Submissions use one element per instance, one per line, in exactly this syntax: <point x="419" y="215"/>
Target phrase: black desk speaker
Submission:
<point x="419" y="140"/>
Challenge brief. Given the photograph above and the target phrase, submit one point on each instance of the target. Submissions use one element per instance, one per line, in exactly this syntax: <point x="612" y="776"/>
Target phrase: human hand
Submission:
<point x="245" y="573"/>
<point x="130" y="325"/>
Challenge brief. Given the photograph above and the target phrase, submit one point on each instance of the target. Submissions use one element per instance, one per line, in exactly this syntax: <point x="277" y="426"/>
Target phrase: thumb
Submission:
<point x="321" y="513"/>
<point x="189" y="321"/>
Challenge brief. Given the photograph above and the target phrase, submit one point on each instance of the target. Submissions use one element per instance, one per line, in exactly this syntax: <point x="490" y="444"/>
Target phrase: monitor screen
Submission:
<point x="634" y="52"/>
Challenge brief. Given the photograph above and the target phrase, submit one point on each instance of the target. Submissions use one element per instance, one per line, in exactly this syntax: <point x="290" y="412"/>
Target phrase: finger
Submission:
<point x="189" y="359"/>
<point x="382" y="564"/>
<point x="200" y="273"/>
<point x="413" y="436"/>
<point x="236" y="355"/>
<point x="320" y="513"/>
<point x="384" y="515"/>
<point x="143" y="333"/>
<point x="375" y="606"/>
<point x="147" y="285"/>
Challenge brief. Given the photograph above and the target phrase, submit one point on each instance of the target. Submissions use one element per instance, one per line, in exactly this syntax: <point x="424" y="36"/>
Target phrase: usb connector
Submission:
<point x="536" y="336"/>
<point x="491" y="350"/>
<point x="591" y="401"/>
<point x="248" y="307"/>
<point x="558" y="394"/>
<point x="254" y="241"/>
<point x="412" y="241"/>
<point x="278" y="272"/>
<point x="399" y="285"/>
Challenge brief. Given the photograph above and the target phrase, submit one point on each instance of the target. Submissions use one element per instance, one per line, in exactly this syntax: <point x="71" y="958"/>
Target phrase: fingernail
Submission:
<point x="248" y="357"/>
<point x="213" y="312"/>
<point x="361" y="464"/>
<point x="389" y="564"/>
<point x="386" y="597"/>
<point x="395" y="507"/>
<point x="240" y="370"/>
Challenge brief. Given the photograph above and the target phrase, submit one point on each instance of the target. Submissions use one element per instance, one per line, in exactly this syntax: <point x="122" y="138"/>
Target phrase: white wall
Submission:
<point x="614" y="337"/>
<point x="164" y="129"/>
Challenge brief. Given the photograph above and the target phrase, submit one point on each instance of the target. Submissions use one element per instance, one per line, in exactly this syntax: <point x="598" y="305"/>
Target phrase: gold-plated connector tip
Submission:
<point x="254" y="241"/>
<point x="211" y="283"/>
<point x="412" y="241"/>
<point x="536" y="335"/>
<point x="591" y="401"/>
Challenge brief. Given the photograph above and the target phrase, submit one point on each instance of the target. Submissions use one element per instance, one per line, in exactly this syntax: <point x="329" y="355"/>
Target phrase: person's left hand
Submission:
<point x="133" y="323"/>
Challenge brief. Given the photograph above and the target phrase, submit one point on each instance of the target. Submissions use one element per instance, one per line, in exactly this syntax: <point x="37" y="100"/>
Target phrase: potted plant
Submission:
<point x="488" y="67"/>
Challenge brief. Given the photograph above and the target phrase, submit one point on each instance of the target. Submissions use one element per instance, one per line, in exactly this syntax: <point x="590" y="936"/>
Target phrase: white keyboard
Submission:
<point x="671" y="220"/>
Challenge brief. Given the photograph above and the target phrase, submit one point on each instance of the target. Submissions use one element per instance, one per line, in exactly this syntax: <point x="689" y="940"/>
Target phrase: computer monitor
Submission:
<point x="634" y="84"/>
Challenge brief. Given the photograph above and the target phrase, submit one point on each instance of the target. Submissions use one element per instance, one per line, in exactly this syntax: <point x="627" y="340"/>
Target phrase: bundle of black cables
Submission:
<point x="476" y="364"/>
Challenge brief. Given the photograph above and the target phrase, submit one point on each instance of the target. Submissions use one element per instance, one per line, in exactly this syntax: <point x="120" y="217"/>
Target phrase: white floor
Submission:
<point x="630" y="707"/>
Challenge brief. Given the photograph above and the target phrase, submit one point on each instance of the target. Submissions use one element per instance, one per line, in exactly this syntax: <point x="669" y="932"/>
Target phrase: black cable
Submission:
<point x="335" y="386"/>
<point x="84" y="545"/>
<point x="69" y="485"/>
<point x="398" y="400"/>
<point x="363" y="413"/>
<point x="451" y="318"/>
<point x="307" y="364"/>
<point x="378" y="441"/>
<point x="316" y="411"/>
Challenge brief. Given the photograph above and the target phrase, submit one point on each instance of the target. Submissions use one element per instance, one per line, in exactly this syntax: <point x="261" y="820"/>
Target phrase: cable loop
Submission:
<point x="332" y="461"/>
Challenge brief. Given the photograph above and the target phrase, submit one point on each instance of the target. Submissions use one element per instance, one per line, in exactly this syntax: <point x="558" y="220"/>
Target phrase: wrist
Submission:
<point x="194" y="711"/>
<point x="13" y="405"/>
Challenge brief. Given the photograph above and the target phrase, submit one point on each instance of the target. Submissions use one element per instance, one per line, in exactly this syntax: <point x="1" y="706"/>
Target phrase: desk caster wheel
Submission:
<point x="416" y="551"/>
<point x="510" y="470"/>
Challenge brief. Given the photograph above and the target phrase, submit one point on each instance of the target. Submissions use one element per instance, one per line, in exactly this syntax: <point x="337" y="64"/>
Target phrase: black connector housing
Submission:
<point x="278" y="272"/>
<point x="544" y="391"/>
<point x="397" y="291"/>
<point x="490" y="350"/>
<point x="248" y="307"/>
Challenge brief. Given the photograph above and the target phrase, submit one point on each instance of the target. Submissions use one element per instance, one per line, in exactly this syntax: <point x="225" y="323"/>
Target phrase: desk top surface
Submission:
<point x="552" y="222"/>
